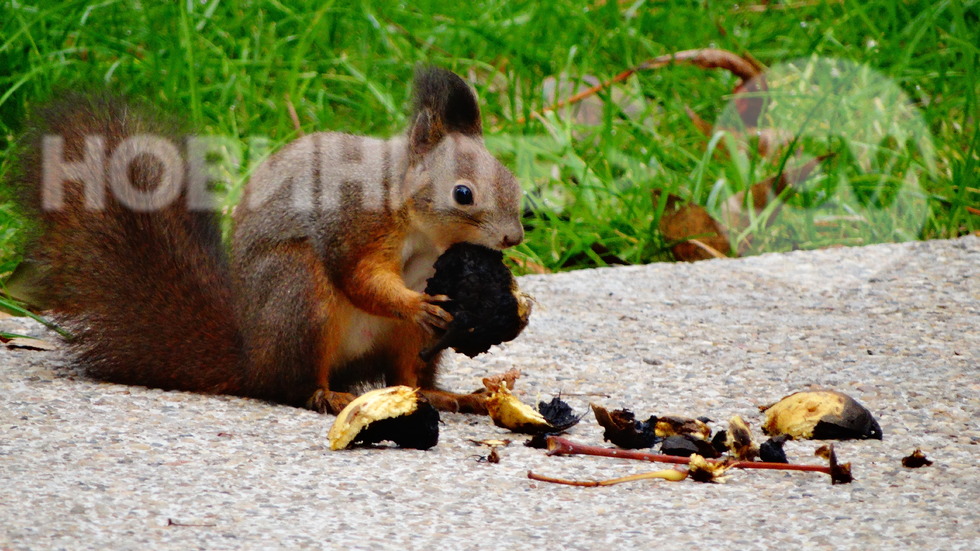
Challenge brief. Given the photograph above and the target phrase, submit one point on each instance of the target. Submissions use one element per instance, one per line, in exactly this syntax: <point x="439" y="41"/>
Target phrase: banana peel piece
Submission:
<point x="675" y="425"/>
<point x="506" y="411"/>
<point x="820" y="415"/>
<point x="700" y="470"/>
<point x="738" y="440"/>
<point x="622" y="428"/>
<point x="399" y="414"/>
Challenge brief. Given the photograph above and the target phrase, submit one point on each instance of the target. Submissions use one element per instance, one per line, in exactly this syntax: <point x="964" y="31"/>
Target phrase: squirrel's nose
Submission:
<point x="510" y="240"/>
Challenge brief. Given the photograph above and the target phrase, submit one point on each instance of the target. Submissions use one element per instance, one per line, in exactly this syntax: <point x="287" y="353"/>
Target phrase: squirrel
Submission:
<point x="332" y="244"/>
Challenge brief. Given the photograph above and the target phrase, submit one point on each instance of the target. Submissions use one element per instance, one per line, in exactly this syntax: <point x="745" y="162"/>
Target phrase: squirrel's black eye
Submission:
<point x="463" y="195"/>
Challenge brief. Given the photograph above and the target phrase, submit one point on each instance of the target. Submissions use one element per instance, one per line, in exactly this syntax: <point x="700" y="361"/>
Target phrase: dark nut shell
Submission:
<point x="685" y="445"/>
<point x="622" y="429"/>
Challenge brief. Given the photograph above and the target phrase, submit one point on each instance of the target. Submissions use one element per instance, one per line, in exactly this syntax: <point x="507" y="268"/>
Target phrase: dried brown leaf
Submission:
<point x="507" y="377"/>
<point x="683" y="224"/>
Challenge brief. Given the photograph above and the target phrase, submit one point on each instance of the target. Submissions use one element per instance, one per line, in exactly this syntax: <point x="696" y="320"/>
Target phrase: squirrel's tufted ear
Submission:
<point x="444" y="103"/>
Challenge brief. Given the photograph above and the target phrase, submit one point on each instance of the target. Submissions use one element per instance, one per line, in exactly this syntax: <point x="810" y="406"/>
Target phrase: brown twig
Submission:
<point x="674" y="475"/>
<point x="563" y="446"/>
<point x="172" y="522"/>
<point x="706" y="58"/>
<point x="292" y="115"/>
<point x="583" y="394"/>
<point x="585" y="93"/>
<point x="583" y="483"/>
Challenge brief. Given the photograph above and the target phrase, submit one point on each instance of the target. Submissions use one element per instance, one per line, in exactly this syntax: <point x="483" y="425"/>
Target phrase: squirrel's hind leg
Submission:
<point x="409" y="369"/>
<point x="293" y="326"/>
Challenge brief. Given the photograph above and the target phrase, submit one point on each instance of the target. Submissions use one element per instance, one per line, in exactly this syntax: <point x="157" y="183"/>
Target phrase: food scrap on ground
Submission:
<point x="701" y="470"/>
<point x="738" y="440"/>
<point x="916" y="460"/>
<point x="772" y="450"/>
<point x="403" y="416"/>
<point x="398" y="414"/>
<point x="623" y="429"/>
<point x="820" y="415"/>
<point x="840" y="473"/>
<point x="507" y="411"/>
<point x="494" y="446"/>
<point x="686" y="445"/>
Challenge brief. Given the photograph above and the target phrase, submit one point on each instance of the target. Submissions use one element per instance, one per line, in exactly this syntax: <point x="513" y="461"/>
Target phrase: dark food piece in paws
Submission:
<point x="486" y="305"/>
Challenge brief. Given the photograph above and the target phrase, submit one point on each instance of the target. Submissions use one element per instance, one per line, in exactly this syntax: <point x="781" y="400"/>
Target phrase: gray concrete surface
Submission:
<point x="86" y="465"/>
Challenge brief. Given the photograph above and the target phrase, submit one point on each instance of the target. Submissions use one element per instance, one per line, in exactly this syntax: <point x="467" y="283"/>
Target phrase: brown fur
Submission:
<point x="146" y="295"/>
<point x="317" y="302"/>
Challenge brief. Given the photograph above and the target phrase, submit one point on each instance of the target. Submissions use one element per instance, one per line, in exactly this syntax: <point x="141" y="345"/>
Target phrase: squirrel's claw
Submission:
<point x="328" y="401"/>
<point x="432" y="316"/>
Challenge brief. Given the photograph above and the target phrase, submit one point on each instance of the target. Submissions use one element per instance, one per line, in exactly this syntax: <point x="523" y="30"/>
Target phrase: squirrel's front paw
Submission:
<point x="431" y="316"/>
<point x="328" y="401"/>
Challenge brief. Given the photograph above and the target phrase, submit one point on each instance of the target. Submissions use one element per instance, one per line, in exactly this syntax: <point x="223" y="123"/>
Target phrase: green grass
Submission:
<point x="228" y="67"/>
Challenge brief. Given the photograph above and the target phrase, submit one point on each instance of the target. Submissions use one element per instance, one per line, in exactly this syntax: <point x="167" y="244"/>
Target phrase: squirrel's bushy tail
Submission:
<point x="147" y="295"/>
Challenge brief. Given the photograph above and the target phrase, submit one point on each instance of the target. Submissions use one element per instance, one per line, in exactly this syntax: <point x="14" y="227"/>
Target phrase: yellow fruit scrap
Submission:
<point x="673" y="425"/>
<point x="821" y="414"/>
<point x="508" y="412"/>
<point x="739" y="440"/>
<point x="797" y="414"/>
<point x="376" y="405"/>
<point x="700" y="470"/>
